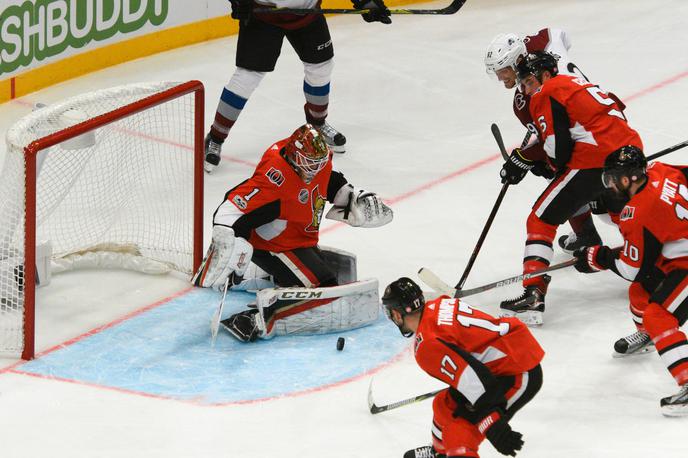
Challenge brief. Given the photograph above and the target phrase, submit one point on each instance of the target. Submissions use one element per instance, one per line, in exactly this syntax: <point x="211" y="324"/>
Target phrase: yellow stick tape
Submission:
<point x="134" y="48"/>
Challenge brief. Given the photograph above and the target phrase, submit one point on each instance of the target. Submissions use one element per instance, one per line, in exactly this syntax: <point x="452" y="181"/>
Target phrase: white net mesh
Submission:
<point x="127" y="183"/>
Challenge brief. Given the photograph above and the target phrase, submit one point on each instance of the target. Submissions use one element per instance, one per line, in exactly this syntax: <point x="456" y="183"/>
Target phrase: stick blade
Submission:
<point x="436" y="283"/>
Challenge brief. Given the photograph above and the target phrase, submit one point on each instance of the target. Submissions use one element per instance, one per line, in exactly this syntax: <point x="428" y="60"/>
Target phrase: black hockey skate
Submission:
<point x="676" y="405"/>
<point x="635" y="344"/>
<point x="334" y="139"/>
<point x="212" y="154"/>
<point x="421" y="452"/>
<point x="529" y="307"/>
<point x="243" y="325"/>
<point x="572" y="242"/>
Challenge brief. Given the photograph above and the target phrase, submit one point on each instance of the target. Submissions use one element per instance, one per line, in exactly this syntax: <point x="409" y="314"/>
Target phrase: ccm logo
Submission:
<point x="300" y="295"/>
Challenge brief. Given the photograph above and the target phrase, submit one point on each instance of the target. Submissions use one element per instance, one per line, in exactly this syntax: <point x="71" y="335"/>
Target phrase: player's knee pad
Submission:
<point x="657" y="320"/>
<point x="318" y="74"/>
<point x="342" y="262"/>
<point x="306" y="311"/>
<point x="244" y="82"/>
<point x="540" y="230"/>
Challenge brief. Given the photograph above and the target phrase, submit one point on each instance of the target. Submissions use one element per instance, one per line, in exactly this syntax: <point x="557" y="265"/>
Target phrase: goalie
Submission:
<point x="267" y="229"/>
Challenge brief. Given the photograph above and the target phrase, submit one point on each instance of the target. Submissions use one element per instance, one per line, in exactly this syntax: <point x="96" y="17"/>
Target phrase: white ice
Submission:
<point x="415" y="104"/>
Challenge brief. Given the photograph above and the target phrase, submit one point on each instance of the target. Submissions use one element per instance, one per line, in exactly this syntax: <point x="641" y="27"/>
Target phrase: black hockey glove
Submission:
<point x="594" y="258"/>
<point x="499" y="433"/>
<point x="379" y="11"/>
<point x="515" y="168"/>
<point x="542" y="169"/>
<point x="241" y="9"/>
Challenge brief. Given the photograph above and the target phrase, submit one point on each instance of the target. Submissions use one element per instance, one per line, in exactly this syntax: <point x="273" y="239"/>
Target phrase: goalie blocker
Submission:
<point x="307" y="311"/>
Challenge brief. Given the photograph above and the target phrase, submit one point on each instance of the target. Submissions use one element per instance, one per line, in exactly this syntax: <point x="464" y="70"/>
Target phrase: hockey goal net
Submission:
<point x="112" y="178"/>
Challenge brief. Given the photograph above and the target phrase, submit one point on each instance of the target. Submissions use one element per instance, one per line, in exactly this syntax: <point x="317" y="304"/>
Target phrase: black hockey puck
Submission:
<point x="340" y="344"/>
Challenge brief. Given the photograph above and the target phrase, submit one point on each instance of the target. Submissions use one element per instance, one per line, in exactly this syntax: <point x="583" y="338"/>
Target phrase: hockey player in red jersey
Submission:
<point x="258" y="48"/>
<point x="579" y="125"/>
<point x="492" y="367"/>
<point x="654" y="225"/>
<point x="501" y="57"/>
<point x="273" y="220"/>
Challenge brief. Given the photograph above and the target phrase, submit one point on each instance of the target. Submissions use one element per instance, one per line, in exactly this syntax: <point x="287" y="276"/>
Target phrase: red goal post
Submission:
<point x="111" y="178"/>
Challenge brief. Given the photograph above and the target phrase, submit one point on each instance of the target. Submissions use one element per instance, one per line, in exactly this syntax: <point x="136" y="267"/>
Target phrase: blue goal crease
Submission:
<point x="166" y="352"/>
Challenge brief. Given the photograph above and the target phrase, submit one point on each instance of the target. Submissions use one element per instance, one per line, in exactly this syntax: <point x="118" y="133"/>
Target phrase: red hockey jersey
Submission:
<point x="280" y="211"/>
<point x="654" y="223"/>
<point x="578" y="123"/>
<point x="452" y="336"/>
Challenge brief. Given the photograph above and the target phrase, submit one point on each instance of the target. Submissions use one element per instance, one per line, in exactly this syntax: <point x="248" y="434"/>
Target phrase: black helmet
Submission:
<point x="628" y="161"/>
<point x="535" y="63"/>
<point x="404" y="296"/>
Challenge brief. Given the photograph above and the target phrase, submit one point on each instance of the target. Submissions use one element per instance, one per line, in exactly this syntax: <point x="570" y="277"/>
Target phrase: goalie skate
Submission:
<point x="637" y="343"/>
<point x="334" y="139"/>
<point x="676" y="405"/>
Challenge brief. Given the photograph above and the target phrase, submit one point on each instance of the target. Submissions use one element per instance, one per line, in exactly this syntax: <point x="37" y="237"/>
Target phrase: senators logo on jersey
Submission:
<point x="318" y="206"/>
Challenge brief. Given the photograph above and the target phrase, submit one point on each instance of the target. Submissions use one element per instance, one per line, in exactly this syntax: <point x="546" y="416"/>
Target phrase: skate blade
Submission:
<point x="642" y="351"/>
<point x="208" y="167"/>
<point x="338" y="149"/>
<point x="531" y="318"/>
<point x="675" y="411"/>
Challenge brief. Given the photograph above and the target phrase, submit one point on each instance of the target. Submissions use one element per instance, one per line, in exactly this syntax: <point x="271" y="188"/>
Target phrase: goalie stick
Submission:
<point x="375" y="409"/>
<point x="452" y="8"/>
<point x="500" y="143"/>
<point x="215" y="322"/>
<point x="437" y="284"/>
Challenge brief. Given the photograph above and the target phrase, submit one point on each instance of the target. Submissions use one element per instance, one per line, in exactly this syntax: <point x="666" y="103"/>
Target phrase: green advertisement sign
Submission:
<point x="35" y="30"/>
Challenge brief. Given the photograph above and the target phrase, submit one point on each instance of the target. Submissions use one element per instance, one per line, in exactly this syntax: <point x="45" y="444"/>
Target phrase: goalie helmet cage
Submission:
<point x="115" y="170"/>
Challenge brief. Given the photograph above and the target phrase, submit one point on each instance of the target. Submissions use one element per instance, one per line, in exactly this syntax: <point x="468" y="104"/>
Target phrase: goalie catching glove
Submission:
<point x="359" y="208"/>
<point x="227" y="255"/>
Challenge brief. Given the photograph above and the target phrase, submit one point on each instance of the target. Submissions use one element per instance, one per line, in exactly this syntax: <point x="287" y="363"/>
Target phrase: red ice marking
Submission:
<point x="657" y="86"/>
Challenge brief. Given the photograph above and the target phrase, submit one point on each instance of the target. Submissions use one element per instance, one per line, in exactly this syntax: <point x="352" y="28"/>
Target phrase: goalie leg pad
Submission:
<point x="308" y="311"/>
<point x="342" y="262"/>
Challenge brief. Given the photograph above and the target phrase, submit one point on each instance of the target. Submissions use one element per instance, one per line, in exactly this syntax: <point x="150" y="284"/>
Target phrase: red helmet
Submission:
<point x="307" y="151"/>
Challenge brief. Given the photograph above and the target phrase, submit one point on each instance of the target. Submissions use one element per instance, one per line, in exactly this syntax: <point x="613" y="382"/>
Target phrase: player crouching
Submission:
<point x="492" y="367"/>
<point x="271" y="223"/>
<point x="654" y="258"/>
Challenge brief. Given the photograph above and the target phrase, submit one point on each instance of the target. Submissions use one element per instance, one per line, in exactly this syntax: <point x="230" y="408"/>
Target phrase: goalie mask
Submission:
<point x="307" y="152"/>
<point x="404" y="296"/>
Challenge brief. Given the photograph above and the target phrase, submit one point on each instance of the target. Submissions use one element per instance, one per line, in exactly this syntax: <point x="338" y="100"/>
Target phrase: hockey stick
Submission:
<point x="215" y="322"/>
<point x="453" y="7"/>
<point x="436" y="283"/>
<point x="375" y="409"/>
<point x="500" y="143"/>
<point x="668" y="150"/>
